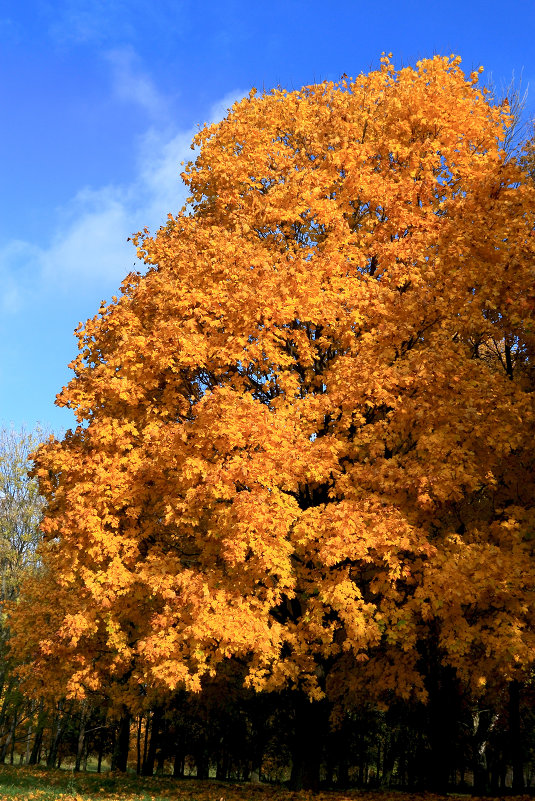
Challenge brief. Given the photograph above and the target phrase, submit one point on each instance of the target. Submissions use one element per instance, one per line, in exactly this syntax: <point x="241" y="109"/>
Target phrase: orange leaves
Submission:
<point x="302" y="422"/>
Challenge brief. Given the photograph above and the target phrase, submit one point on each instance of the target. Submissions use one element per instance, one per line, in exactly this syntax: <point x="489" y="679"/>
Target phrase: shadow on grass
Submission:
<point x="38" y="783"/>
<point x="21" y="783"/>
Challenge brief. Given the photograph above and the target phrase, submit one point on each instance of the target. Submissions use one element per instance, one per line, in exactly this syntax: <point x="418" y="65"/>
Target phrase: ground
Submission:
<point x="40" y="784"/>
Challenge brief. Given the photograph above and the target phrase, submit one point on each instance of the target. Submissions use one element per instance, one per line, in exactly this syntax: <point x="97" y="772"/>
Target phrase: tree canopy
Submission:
<point x="304" y="437"/>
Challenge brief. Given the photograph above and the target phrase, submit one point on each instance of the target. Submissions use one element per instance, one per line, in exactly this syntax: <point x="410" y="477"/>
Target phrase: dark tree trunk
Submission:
<point x="310" y="724"/>
<point x="84" y="714"/>
<point x="146" y="739"/>
<point x="138" y="744"/>
<point x="57" y="734"/>
<point x="342" y="777"/>
<point x="482" y="727"/>
<point x="13" y="735"/>
<point x="336" y="757"/>
<point x="388" y="765"/>
<point x="5" y="746"/>
<point x="38" y="739"/>
<point x="119" y="758"/>
<point x="148" y="761"/>
<point x="515" y="741"/>
<point x="35" y="756"/>
<point x="28" y="749"/>
<point x="179" y="763"/>
<point x="202" y="763"/>
<point x="223" y="766"/>
<point x="442" y="706"/>
<point x="329" y="769"/>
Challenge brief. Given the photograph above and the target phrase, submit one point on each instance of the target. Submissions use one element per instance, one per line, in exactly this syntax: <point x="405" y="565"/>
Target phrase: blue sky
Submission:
<point x="100" y="101"/>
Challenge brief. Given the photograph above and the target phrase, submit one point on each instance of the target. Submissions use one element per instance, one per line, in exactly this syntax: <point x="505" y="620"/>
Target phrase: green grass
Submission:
<point x="41" y="784"/>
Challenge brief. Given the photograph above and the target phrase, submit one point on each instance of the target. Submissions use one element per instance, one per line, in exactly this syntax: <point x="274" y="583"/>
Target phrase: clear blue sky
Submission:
<point x="100" y="99"/>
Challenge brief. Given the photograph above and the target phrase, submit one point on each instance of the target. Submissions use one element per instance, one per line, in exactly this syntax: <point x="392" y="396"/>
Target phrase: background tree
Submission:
<point x="305" y="434"/>
<point x="528" y="153"/>
<point x="21" y="509"/>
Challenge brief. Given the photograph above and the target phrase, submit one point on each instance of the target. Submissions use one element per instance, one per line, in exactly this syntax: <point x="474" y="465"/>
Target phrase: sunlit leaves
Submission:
<point x="304" y="438"/>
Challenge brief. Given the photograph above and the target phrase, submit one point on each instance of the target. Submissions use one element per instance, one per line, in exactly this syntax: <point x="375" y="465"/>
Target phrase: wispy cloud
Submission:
<point x="131" y="85"/>
<point x="88" y="246"/>
<point x="19" y="267"/>
<point x="92" y="246"/>
<point x="94" y="21"/>
<point x="100" y="22"/>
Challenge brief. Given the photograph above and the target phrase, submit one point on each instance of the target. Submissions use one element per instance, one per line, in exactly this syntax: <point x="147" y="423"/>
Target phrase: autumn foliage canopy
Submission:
<point x="305" y="440"/>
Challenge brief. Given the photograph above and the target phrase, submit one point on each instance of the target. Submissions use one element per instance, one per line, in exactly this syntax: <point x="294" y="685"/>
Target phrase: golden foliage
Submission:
<point x="305" y="433"/>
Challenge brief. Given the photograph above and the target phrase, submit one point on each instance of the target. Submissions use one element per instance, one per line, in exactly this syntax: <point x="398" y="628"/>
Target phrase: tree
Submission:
<point x="21" y="508"/>
<point x="20" y="513"/>
<point x="304" y="434"/>
<point x="528" y="153"/>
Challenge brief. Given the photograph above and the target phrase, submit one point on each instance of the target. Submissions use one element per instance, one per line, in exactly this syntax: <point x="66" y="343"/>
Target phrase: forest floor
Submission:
<point x="20" y="783"/>
<point x="42" y="784"/>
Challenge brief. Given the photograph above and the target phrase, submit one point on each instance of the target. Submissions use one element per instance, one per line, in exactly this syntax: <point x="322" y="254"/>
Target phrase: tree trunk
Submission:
<point x="28" y="743"/>
<point x="146" y="739"/>
<point x="35" y="755"/>
<point x="138" y="744"/>
<point x="442" y="704"/>
<point x="342" y="776"/>
<point x="5" y="746"/>
<point x="148" y="761"/>
<point x="57" y="733"/>
<point x="81" y="735"/>
<point x="202" y="763"/>
<point x="388" y="765"/>
<point x="223" y="766"/>
<point x="179" y="763"/>
<point x="482" y="727"/>
<point x="515" y="740"/>
<point x="119" y="758"/>
<point x="310" y="723"/>
<point x="13" y="735"/>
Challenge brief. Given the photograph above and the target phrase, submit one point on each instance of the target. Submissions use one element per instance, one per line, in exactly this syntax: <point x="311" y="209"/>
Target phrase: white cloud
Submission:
<point x="160" y="158"/>
<point x="19" y="268"/>
<point x="159" y="168"/>
<point x="94" y="21"/>
<point x="89" y="245"/>
<point x="99" y="22"/>
<point x="93" y="246"/>
<point x="220" y="107"/>
<point x="131" y="85"/>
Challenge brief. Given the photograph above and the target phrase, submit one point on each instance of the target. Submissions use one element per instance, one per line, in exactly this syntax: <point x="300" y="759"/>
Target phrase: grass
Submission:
<point x="42" y="784"/>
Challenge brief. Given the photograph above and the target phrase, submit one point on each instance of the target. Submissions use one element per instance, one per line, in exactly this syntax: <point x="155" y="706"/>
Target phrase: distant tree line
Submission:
<point x="484" y="748"/>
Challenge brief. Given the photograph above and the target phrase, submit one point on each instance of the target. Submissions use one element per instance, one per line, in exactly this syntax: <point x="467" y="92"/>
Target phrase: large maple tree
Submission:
<point x="305" y="431"/>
